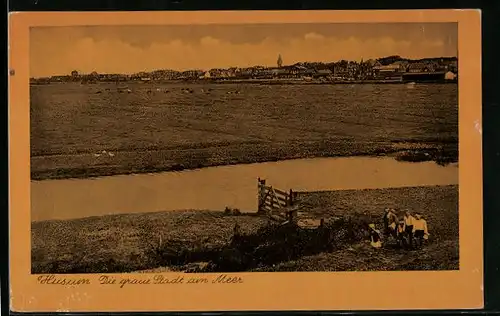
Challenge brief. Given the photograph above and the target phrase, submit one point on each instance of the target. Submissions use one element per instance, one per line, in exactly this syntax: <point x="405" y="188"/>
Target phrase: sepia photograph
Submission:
<point x="266" y="147"/>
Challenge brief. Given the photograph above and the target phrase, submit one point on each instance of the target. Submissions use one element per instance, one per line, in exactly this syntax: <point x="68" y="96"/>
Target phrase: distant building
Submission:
<point x="374" y="63"/>
<point x="307" y="73"/>
<point x="219" y="73"/>
<point x="191" y="74"/>
<point x="113" y="77"/>
<point x="391" y="71"/>
<point x="450" y="76"/>
<point x="295" y="70"/>
<point x="164" y="74"/>
<point x="323" y="73"/>
<point x="280" y="61"/>
<point x="422" y="67"/>
<point x="59" y="78"/>
<point x="278" y="72"/>
<point x="387" y="68"/>
<point x="403" y="65"/>
<point x="452" y="66"/>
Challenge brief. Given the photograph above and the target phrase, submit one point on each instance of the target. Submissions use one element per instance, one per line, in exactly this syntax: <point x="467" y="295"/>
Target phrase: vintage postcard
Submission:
<point x="221" y="161"/>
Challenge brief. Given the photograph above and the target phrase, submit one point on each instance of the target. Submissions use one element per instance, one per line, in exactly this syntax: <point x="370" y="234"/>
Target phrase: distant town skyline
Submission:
<point x="132" y="49"/>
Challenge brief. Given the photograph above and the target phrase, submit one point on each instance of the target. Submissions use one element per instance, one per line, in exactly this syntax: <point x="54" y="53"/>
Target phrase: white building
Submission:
<point x="450" y="76"/>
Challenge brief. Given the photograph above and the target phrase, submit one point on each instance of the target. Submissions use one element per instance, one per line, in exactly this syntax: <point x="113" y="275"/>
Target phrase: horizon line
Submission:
<point x="228" y="67"/>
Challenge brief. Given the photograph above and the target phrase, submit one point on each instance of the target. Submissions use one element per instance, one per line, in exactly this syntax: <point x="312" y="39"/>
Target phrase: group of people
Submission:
<point x="408" y="229"/>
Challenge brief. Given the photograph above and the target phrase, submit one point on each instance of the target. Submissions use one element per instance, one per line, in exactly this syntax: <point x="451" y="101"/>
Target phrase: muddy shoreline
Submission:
<point x="166" y="160"/>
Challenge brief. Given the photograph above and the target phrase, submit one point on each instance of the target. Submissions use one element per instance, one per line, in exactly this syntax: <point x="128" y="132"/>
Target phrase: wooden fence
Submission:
<point x="271" y="199"/>
<point x="284" y="206"/>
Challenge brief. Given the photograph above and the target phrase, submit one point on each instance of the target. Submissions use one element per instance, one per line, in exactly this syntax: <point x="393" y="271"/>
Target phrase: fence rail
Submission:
<point x="271" y="199"/>
<point x="284" y="206"/>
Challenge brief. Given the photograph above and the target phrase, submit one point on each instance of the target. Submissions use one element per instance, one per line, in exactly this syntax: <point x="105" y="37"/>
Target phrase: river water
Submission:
<point x="217" y="187"/>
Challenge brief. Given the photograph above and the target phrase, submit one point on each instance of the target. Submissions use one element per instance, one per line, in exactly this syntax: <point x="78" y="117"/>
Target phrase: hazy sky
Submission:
<point x="129" y="49"/>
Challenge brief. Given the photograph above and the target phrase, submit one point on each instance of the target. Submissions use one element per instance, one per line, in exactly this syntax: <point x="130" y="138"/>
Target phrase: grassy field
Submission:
<point x="168" y="128"/>
<point x="85" y="166"/>
<point x="438" y="204"/>
<point x="202" y="240"/>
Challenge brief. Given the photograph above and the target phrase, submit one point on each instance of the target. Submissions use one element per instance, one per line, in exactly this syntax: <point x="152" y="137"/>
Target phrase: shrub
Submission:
<point x="269" y="245"/>
<point x="232" y="211"/>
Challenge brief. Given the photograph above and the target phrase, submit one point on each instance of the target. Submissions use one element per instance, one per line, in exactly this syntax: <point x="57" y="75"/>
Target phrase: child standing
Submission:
<point x="409" y="219"/>
<point x="392" y="220"/>
<point x="401" y="232"/>
<point x="420" y="229"/>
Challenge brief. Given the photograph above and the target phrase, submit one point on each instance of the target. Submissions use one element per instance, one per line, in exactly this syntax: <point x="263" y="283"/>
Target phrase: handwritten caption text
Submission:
<point x="122" y="281"/>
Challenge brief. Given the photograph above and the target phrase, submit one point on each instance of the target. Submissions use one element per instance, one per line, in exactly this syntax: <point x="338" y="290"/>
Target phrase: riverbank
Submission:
<point x="87" y="165"/>
<point x="151" y="241"/>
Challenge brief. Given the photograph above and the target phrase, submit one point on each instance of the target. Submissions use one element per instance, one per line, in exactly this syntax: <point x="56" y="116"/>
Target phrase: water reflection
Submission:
<point x="217" y="187"/>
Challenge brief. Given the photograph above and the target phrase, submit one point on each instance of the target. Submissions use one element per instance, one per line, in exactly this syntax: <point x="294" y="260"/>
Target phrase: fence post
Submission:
<point x="261" y="193"/>
<point x="290" y="198"/>
<point x="236" y="230"/>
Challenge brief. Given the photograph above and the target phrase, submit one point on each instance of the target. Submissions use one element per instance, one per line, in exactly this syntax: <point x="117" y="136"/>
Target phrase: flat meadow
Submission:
<point x="201" y="241"/>
<point x="104" y="129"/>
<point x="167" y="127"/>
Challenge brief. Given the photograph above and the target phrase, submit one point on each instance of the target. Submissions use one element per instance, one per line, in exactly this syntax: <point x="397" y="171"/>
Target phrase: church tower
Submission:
<point x="280" y="61"/>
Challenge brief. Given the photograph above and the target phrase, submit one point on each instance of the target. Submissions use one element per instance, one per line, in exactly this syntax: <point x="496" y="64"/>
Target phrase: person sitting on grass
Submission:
<point x="375" y="238"/>
<point x="420" y="229"/>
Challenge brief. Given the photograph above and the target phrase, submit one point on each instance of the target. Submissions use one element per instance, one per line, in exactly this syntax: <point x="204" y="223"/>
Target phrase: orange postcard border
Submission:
<point x="461" y="289"/>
